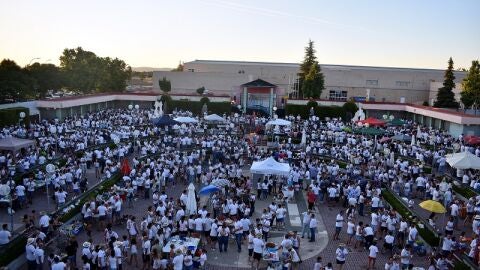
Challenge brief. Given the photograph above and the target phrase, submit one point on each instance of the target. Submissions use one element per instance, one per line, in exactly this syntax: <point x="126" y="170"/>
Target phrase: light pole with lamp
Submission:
<point x="21" y="116"/>
<point x="53" y="130"/>
<point x="274" y="112"/>
<point x="11" y="212"/>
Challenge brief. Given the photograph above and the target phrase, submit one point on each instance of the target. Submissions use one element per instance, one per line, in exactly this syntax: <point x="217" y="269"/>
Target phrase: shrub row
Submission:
<point x="429" y="236"/>
<point x="320" y="111"/>
<point x="196" y="107"/>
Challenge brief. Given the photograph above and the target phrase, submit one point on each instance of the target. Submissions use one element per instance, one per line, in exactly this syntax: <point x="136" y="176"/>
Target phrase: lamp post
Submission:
<point x="11" y="173"/>
<point x="21" y="116"/>
<point x="137" y="107"/>
<point x="130" y="107"/>
<point x="53" y="130"/>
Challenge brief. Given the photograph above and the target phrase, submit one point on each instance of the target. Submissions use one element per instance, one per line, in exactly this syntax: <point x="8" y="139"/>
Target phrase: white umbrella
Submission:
<point x="191" y="206"/>
<point x="463" y="160"/>
<point x="214" y="118"/>
<point x="270" y="166"/>
<point x="185" y="119"/>
<point x="412" y="143"/>
<point x="279" y="122"/>
<point x="220" y="182"/>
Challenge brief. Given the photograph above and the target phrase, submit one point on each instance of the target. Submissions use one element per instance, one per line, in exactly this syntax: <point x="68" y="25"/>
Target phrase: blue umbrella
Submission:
<point x="208" y="189"/>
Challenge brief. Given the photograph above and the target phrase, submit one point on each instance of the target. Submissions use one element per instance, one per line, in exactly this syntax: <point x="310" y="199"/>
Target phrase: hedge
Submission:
<point x="429" y="236"/>
<point x="11" y="116"/>
<point x="464" y="191"/>
<point x="196" y="107"/>
<point x="320" y="111"/>
<point x="17" y="247"/>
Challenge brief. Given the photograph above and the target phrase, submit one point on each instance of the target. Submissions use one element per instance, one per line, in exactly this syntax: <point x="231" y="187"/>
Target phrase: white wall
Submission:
<point x="31" y="105"/>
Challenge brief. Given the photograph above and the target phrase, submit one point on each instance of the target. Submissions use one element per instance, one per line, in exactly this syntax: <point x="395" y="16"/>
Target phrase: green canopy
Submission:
<point x="369" y="131"/>
<point x="396" y="122"/>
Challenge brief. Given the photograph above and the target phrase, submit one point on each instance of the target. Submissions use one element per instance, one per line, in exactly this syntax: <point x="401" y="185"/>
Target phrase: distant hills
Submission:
<point x="149" y="69"/>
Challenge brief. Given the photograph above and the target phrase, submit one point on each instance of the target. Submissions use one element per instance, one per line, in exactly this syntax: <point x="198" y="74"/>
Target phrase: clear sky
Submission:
<point x="403" y="33"/>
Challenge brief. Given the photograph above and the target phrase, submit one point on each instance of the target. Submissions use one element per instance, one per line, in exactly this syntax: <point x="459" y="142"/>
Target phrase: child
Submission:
<point x="133" y="251"/>
<point x="318" y="264"/>
<point x="125" y="246"/>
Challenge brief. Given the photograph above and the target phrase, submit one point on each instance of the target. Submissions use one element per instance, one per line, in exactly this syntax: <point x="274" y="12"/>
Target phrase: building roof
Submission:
<point x="297" y="65"/>
<point x="258" y="83"/>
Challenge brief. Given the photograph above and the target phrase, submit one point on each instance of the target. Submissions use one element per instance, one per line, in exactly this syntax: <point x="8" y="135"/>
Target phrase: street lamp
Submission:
<point x="11" y="170"/>
<point x="53" y="130"/>
<point x="21" y="116"/>
<point x="137" y="107"/>
<point x="274" y="112"/>
<point x="130" y="107"/>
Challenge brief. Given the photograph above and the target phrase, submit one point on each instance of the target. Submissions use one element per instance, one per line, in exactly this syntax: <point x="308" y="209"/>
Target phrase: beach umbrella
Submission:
<point x="384" y="139"/>
<point x="372" y="122"/>
<point x="396" y="122"/>
<point x="433" y="206"/>
<point x="191" y="206"/>
<point x="214" y="118"/>
<point x="209" y="189"/>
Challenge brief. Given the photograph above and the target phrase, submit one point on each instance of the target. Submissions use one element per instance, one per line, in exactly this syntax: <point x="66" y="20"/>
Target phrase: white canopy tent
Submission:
<point x="214" y="118"/>
<point x="270" y="166"/>
<point x="191" y="207"/>
<point x="185" y="119"/>
<point x="463" y="160"/>
<point x="279" y="122"/>
<point x="15" y="144"/>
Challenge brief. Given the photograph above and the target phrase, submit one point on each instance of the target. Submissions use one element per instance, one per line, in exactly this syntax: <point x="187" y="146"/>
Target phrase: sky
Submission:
<point x="407" y="33"/>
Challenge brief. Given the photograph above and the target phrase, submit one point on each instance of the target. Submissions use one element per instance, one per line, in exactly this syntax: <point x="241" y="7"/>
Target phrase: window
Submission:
<point x="338" y="95"/>
<point x="402" y="83"/>
<point x="371" y="82"/>
<point x="191" y="70"/>
<point x="241" y="71"/>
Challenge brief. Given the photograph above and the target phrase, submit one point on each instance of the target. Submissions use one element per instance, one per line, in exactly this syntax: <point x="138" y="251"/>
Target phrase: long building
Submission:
<point x="342" y="82"/>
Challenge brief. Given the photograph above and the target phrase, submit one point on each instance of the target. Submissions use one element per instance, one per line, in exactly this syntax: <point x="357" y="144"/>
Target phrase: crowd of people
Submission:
<point x="333" y="168"/>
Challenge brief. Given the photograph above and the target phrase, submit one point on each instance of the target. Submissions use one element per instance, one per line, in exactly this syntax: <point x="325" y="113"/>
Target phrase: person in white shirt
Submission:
<point x="313" y="227"/>
<point x="58" y="265"/>
<point x="178" y="260"/>
<point x="341" y="255"/>
<point x="306" y="224"/>
<point x="405" y="256"/>
<point x="338" y="225"/>
<point x="258" y="246"/>
<point x="372" y="255"/>
<point x="5" y="235"/>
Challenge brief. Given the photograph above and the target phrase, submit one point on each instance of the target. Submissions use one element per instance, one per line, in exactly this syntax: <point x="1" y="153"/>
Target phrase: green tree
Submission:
<point x="200" y="90"/>
<point x="204" y="100"/>
<point x="165" y="85"/>
<point x="82" y="70"/>
<point x="46" y="76"/>
<point x="311" y="82"/>
<point x="85" y="72"/>
<point x="445" y="95"/>
<point x="179" y="67"/>
<point x="15" y="83"/>
<point x="471" y="86"/>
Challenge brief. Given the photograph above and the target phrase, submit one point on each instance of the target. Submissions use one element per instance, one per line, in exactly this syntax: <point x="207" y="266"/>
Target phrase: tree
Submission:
<point x="85" y="72"/>
<point x="165" y="85"/>
<point x="179" y="67"/>
<point x="445" y="95"/>
<point x="15" y="83"/>
<point x="315" y="84"/>
<point x="200" y="90"/>
<point x="204" y="100"/>
<point x="46" y="76"/>
<point x="471" y="86"/>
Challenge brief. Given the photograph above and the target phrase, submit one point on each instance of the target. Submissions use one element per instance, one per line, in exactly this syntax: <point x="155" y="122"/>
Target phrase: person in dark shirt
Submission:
<point x="71" y="250"/>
